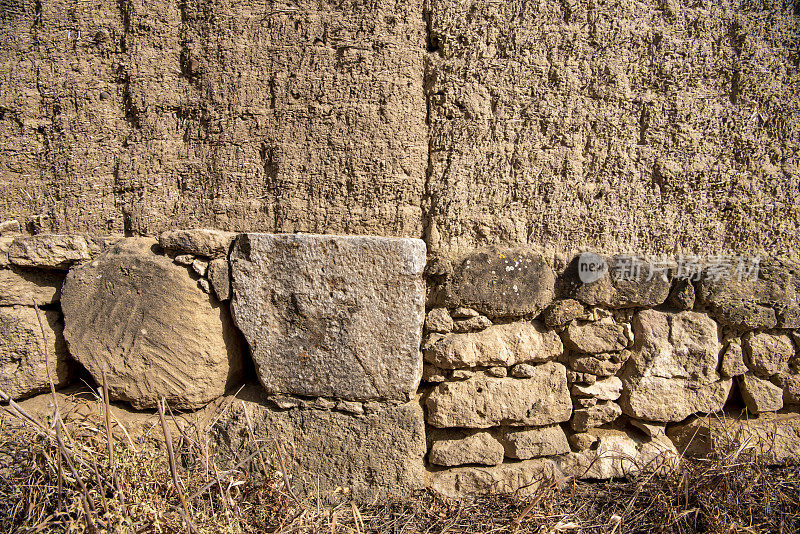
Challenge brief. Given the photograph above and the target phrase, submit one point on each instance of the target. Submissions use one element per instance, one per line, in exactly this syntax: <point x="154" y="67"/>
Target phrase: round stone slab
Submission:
<point x="146" y="320"/>
<point x="332" y="316"/>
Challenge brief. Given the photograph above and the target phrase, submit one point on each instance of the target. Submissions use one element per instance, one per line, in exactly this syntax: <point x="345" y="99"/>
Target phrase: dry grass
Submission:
<point x="141" y="494"/>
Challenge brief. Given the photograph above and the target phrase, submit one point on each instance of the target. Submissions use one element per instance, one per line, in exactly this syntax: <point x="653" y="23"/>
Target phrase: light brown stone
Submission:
<point x="527" y="443"/>
<point x="598" y="415"/>
<point x="52" y="251"/>
<point x="520" y="478"/>
<point x="439" y="320"/>
<point x="145" y="320"/>
<point x="483" y="401"/>
<point x="759" y="395"/>
<point x="606" y="389"/>
<point x="733" y="360"/>
<point x="25" y="368"/>
<point x="473" y="324"/>
<point x="562" y="312"/>
<point x="595" y="337"/>
<point x="505" y="344"/>
<point x="594" y="365"/>
<point x="198" y="241"/>
<point x="767" y="354"/>
<point x="463" y="448"/>
<point x="219" y="275"/>
<point x="20" y="286"/>
<point x="672" y="371"/>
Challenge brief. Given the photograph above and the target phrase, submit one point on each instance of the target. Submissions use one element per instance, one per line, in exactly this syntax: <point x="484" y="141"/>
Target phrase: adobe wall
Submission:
<point x="646" y="127"/>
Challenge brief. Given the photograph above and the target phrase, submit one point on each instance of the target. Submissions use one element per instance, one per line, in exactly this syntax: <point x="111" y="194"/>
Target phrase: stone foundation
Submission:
<point x="383" y="371"/>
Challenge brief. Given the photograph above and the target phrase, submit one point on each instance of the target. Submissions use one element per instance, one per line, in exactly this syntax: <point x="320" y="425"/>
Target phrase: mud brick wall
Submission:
<point x="387" y="372"/>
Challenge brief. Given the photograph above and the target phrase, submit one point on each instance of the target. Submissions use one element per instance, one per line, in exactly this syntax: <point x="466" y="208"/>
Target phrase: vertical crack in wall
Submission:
<point x="428" y="200"/>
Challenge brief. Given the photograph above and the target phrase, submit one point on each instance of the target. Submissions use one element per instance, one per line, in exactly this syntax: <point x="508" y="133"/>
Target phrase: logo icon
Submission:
<point x="591" y="267"/>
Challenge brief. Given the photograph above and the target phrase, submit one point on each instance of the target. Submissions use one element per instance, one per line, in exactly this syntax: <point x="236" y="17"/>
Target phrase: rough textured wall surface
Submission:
<point x="615" y="125"/>
<point x="621" y="126"/>
<point x="137" y="116"/>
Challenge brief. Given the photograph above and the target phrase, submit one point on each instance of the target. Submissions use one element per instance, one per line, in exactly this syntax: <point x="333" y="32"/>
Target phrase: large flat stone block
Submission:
<point x="332" y="316"/>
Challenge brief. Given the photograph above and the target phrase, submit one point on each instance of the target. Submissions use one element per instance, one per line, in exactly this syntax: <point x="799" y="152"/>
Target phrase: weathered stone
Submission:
<point x="462" y="374"/>
<point x="355" y="408"/>
<point x="51" y="251"/>
<point x="464" y="313"/>
<point x="23" y="286"/>
<point x="143" y="318"/>
<point x="583" y="402"/>
<point x="607" y="389"/>
<point x="463" y="447"/>
<point x="760" y="395"/>
<point x="5" y="245"/>
<point x="501" y="282"/>
<point x="431" y="373"/>
<point x="25" y="369"/>
<point x="332" y="315"/>
<point x="613" y="290"/>
<point x="184" y="259"/>
<point x="603" y="412"/>
<point x="198" y="241"/>
<point x="527" y="443"/>
<point x="672" y="371"/>
<point x="773" y="438"/>
<point x="219" y="274"/>
<point x="752" y="304"/>
<point x="790" y="382"/>
<point x="732" y="360"/>
<point x="503" y="344"/>
<point x="473" y="324"/>
<point x="650" y="429"/>
<point x="523" y="370"/>
<point x="619" y="454"/>
<point x="283" y="402"/>
<point x="580" y="378"/>
<point x="682" y="295"/>
<point x="767" y="354"/>
<point x="594" y="365"/>
<point x="520" y="478"/>
<point x="10" y="228"/>
<point x="338" y="456"/>
<point x="204" y="285"/>
<point x="562" y="312"/>
<point x="439" y="320"/>
<point x="484" y="401"/>
<point x="200" y="267"/>
<point x="582" y="441"/>
<point x="594" y="338"/>
<point x="498" y="372"/>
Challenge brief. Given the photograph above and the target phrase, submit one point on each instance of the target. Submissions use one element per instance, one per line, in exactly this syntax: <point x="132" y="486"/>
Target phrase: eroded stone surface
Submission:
<point x="672" y="371"/>
<point x="52" y="251"/>
<point x="199" y="241"/>
<point x="373" y="456"/>
<point x="25" y="368"/>
<point x="527" y="443"/>
<point x="732" y="363"/>
<point x="145" y="320"/>
<point x="562" y="312"/>
<point x="484" y="401"/>
<point x="593" y="416"/>
<point x="20" y="286"/>
<point x="596" y="337"/>
<point x="439" y="320"/>
<point x="767" y="354"/>
<point x="461" y="447"/>
<point x="759" y="395"/>
<point x="606" y="389"/>
<point x="521" y="478"/>
<point x="501" y="282"/>
<point x="331" y="316"/>
<point x="219" y="275"/>
<point x="505" y="344"/>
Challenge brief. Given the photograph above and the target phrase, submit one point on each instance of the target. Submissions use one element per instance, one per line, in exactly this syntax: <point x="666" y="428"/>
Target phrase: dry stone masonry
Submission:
<point x="383" y="369"/>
